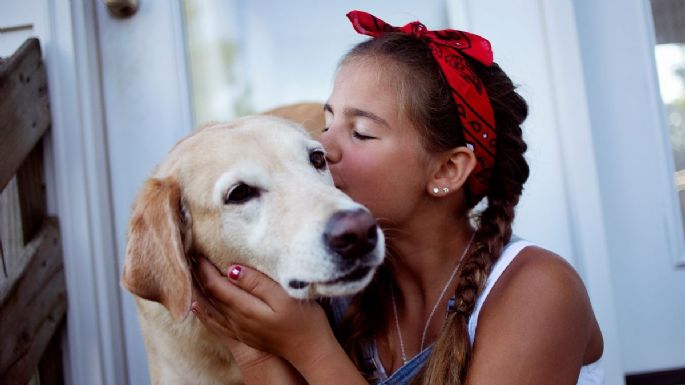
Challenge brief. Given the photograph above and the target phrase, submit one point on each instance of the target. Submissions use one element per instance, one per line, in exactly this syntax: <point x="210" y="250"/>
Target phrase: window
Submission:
<point x="250" y="56"/>
<point x="669" y="25"/>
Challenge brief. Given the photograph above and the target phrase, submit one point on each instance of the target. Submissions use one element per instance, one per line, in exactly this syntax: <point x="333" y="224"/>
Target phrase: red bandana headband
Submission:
<point x="448" y="47"/>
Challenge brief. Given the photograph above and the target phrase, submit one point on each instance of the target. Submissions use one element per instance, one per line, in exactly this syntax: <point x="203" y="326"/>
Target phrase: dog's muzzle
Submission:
<point x="352" y="237"/>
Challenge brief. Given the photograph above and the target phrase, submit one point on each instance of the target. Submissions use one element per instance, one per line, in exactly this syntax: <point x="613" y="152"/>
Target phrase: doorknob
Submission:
<point x="122" y="9"/>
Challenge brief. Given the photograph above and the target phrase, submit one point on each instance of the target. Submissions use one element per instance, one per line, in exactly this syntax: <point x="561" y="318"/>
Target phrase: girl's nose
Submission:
<point x="333" y="153"/>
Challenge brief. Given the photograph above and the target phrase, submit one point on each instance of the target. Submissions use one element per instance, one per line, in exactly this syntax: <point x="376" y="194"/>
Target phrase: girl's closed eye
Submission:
<point x="360" y="136"/>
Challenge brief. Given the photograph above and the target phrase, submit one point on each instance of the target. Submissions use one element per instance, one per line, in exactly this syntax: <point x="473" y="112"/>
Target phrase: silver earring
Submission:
<point x="436" y="190"/>
<point x="445" y="190"/>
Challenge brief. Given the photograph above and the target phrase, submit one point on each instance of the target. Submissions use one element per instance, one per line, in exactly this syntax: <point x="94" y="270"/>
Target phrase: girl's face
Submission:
<point x="373" y="150"/>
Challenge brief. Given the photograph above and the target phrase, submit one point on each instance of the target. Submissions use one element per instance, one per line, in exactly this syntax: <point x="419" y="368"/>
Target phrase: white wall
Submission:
<point x="635" y="168"/>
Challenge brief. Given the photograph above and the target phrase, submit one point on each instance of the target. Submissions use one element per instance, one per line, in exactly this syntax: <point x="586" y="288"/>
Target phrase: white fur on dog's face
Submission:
<point x="254" y="197"/>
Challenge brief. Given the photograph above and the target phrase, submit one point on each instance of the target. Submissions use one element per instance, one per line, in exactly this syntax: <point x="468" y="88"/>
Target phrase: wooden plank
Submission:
<point x="11" y="229"/>
<point x="31" y="192"/>
<point x="32" y="305"/>
<point x="50" y="366"/>
<point x="24" y="107"/>
<point x="3" y="272"/>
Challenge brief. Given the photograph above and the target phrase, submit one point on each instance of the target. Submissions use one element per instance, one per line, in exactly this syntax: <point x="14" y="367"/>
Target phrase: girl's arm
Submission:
<point x="256" y="367"/>
<point x="536" y="326"/>
<point x="257" y="311"/>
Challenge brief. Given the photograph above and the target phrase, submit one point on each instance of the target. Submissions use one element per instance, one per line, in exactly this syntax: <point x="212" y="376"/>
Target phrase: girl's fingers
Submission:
<point x="255" y="309"/>
<point x="257" y="284"/>
<point x="231" y="298"/>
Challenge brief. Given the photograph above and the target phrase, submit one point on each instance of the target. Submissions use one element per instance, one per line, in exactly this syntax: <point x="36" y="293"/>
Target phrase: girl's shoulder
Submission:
<point x="540" y="295"/>
<point x="526" y="272"/>
<point x="555" y="271"/>
<point x="538" y="311"/>
<point x="538" y="278"/>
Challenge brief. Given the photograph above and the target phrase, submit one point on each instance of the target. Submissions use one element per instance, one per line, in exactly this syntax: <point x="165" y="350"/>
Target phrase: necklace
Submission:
<point x="430" y="315"/>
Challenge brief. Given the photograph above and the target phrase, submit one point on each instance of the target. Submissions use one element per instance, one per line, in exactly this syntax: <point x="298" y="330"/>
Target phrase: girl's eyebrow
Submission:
<point x="356" y="112"/>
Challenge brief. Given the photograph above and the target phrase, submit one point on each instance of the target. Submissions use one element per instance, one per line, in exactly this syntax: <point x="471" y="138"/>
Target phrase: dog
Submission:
<point x="255" y="191"/>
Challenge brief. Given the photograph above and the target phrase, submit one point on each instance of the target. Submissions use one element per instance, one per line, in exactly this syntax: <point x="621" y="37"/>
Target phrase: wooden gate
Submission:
<point x="33" y="296"/>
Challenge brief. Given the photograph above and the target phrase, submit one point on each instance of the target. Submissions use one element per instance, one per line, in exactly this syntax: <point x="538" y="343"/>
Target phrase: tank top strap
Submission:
<point x="510" y="251"/>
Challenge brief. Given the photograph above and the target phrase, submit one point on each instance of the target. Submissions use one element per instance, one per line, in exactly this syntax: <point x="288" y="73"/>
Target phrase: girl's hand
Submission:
<point x="256" y="366"/>
<point x="244" y="355"/>
<point x="255" y="310"/>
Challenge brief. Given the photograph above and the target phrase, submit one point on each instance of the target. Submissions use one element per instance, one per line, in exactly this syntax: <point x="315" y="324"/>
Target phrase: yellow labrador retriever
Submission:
<point x="257" y="192"/>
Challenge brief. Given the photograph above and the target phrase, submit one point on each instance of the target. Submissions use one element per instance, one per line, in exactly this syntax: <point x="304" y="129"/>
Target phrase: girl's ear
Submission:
<point x="453" y="168"/>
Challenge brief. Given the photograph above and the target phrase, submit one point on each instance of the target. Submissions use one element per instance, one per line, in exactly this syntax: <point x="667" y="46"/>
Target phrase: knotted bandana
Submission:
<point x="448" y="47"/>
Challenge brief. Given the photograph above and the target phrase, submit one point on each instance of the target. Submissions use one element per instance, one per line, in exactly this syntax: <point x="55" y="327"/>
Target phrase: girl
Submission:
<point x="420" y="127"/>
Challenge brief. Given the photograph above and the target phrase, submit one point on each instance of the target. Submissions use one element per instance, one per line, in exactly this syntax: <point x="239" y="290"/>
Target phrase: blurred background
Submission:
<point x="605" y="81"/>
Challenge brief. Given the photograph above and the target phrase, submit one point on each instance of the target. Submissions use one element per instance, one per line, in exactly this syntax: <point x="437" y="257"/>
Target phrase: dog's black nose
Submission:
<point x="351" y="234"/>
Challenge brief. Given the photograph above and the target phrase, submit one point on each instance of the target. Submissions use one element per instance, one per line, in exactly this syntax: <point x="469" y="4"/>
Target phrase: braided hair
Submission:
<point x="426" y="100"/>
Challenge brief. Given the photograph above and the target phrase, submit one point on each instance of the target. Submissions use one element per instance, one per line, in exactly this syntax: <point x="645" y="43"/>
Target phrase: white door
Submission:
<point x="175" y="64"/>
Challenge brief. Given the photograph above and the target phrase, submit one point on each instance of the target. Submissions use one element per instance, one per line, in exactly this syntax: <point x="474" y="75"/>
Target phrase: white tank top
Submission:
<point x="591" y="374"/>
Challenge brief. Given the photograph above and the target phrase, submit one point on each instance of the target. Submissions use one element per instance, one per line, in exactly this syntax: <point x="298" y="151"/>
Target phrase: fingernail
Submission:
<point x="234" y="272"/>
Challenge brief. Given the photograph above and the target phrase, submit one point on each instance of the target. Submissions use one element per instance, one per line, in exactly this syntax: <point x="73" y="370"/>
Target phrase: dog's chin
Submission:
<point x="349" y="284"/>
<point x="343" y="288"/>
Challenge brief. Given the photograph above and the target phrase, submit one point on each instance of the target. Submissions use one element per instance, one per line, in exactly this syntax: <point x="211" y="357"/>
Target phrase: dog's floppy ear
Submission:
<point x="156" y="268"/>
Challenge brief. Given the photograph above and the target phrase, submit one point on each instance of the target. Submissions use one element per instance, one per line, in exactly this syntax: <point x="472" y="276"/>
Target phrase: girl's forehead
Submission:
<point x="371" y="87"/>
<point x="373" y="68"/>
<point x="366" y="82"/>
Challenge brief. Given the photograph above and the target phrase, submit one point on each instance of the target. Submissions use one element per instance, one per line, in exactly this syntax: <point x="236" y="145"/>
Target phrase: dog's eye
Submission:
<point x="318" y="159"/>
<point x="241" y="193"/>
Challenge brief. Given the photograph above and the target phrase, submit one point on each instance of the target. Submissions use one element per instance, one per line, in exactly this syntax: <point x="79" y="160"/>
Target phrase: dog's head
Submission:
<point x="255" y="192"/>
